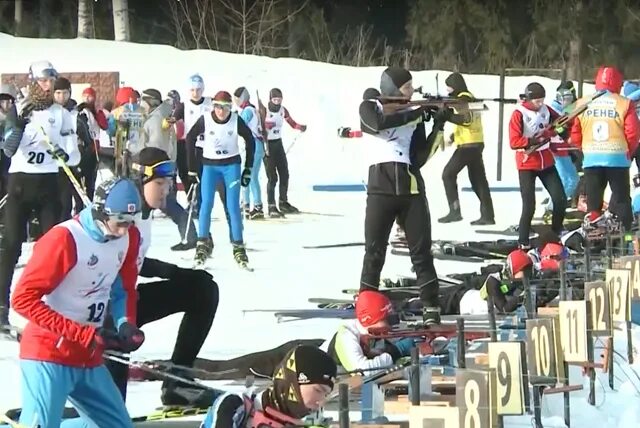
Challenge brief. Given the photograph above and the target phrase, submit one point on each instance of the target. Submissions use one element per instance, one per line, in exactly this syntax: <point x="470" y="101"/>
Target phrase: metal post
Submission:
<point x="343" y="412"/>
<point x="500" y="125"/>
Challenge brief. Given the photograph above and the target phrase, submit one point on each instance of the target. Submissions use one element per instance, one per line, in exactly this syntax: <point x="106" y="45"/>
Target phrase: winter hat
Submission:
<point x="518" y="261"/>
<point x="456" y="82"/>
<point x="174" y="95"/>
<point x="392" y="79"/>
<point x="89" y="92"/>
<point x="116" y="196"/>
<point x="153" y="97"/>
<point x="303" y="365"/>
<point x="156" y="158"/>
<point x="372" y="307"/>
<point x="275" y="93"/>
<point x="7" y="91"/>
<point x="533" y="91"/>
<point x="222" y="97"/>
<point x="242" y="94"/>
<point x="62" y="84"/>
<point x="370" y="94"/>
<point x="124" y="94"/>
<point x="196" y="82"/>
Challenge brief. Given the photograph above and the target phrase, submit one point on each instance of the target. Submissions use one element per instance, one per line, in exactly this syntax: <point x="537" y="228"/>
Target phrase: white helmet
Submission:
<point x="42" y="70"/>
<point x="7" y="89"/>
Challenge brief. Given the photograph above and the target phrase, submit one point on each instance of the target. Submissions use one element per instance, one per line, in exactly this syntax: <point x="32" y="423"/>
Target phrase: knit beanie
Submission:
<point x="241" y="94"/>
<point x="149" y="156"/>
<point x="533" y="91"/>
<point x="222" y="97"/>
<point x="61" y="84"/>
<point x="275" y="93"/>
<point x="392" y="79"/>
<point x="153" y="97"/>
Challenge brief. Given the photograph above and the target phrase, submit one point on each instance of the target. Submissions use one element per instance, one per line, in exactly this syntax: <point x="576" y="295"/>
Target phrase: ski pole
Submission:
<point x="67" y="170"/>
<point x="292" y="143"/>
<point x="144" y="367"/>
<point x="3" y="201"/>
<point x="193" y="189"/>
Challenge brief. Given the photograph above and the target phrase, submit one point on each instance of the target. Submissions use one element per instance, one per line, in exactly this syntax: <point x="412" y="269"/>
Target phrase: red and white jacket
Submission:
<point x="524" y="124"/>
<point x="64" y="291"/>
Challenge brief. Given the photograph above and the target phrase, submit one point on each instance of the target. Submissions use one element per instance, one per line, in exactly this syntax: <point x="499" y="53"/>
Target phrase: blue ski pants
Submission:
<point x="47" y="386"/>
<point x="252" y="191"/>
<point x="568" y="175"/>
<point x="229" y="175"/>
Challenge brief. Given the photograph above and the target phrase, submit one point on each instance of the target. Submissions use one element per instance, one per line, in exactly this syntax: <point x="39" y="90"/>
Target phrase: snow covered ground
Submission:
<point x="324" y="97"/>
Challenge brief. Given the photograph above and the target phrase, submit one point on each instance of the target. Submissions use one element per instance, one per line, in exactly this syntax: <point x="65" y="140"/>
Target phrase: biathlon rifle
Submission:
<point x="559" y="125"/>
<point x="431" y="102"/>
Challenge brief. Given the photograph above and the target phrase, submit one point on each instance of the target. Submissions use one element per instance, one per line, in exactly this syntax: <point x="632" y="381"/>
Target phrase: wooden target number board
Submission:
<point x="633" y="264"/>
<point x="544" y="356"/>
<point x="618" y="281"/>
<point x="508" y="359"/>
<point x="598" y="296"/>
<point x="573" y="331"/>
<point x="475" y="404"/>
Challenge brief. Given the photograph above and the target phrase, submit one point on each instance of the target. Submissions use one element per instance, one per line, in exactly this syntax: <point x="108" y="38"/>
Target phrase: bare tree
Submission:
<point x="121" y="20"/>
<point x="17" y="19"/>
<point x="86" y="29"/>
<point x="44" y="23"/>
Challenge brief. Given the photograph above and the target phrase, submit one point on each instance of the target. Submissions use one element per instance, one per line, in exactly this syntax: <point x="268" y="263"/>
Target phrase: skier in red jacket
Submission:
<point x="529" y="126"/>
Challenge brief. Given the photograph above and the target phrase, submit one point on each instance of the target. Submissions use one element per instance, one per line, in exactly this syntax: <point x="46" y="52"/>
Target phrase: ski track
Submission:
<point x="286" y="275"/>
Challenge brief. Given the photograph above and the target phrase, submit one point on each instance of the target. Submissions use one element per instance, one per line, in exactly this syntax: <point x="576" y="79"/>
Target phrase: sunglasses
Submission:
<point x="161" y="169"/>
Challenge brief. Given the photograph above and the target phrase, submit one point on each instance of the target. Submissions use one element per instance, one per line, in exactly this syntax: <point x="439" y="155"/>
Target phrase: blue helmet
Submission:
<point x="116" y="197"/>
<point x="196" y="82"/>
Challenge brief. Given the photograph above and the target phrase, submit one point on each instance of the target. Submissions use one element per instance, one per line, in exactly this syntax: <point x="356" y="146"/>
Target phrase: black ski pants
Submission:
<point x="470" y="157"/>
<point x="277" y="168"/>
<point x="87" y="177"/>
<point x="181" y="164"/>
<point x="159" y="299"/>
<point x="27" y="193"/>
<point x="413" y="214"/>
<point x="66" y="191"/>
<point x="262" y="362"/>
<point x="596" y="180"/>
<point x="551" y="181"/>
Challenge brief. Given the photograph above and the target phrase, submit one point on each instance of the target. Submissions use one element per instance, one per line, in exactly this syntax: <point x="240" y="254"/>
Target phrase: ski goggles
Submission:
<point x="161" y="169"/>
<point x="46" y="73"/>
<point x="222" y="105"/>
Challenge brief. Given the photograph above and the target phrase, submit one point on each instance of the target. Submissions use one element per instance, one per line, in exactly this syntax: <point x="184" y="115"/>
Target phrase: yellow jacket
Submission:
<point x="469" y="132"/>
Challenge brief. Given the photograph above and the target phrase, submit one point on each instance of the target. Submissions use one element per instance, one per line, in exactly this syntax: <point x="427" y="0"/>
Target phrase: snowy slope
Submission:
<point x="324" y="97"/>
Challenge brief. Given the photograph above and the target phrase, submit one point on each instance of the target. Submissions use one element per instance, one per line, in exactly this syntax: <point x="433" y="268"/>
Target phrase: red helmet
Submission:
<point x="124" y="94"/>
<point x="372" y="307"/>
<point x="609" y="78"/>
<point x="550" y="256"/>
<point x="517" y="261"/>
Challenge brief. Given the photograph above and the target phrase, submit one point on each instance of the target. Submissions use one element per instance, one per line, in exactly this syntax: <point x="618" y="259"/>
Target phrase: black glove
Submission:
<point x="443" y="115"/>
<point x="58" y="153"/>
<point x="131" y="337"/>
<point x="245" y="179"/>
<point x="106" y="338"/>
<point x="343" y="132"/>
<point x="392" y="350"/>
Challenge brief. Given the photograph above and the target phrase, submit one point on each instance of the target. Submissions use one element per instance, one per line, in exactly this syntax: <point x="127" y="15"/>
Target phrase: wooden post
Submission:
<point x="343" y="412"/>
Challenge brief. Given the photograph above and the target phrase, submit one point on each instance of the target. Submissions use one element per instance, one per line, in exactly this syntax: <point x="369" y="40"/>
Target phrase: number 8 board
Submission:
<point x="476" y="398"/>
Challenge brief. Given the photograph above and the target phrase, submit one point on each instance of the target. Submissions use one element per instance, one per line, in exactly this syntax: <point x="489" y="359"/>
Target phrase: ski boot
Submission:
<point x="454" y="214"/>
<point x="204" y="249"/>
<point x="483" y="222"/>
<point x="274" y="213"/>
<point x="256" y="213"/>
<point x="183" y="246"/>
<point x="246" y="211"/>
<point x="175" y="393"/>
<point x="240" y="255"/>
<point x="287" y="208"/>
<point x="431" y="315"/>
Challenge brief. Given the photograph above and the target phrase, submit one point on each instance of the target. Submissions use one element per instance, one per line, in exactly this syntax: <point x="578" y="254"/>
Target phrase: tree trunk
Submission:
<point x="296" y="29"/>
<point x="17" y="19"/>
<point x="121" y="20"/>
<point x="85" y="20"/>
<point x="44" y="13"/>
<point x="575" y="45"/>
